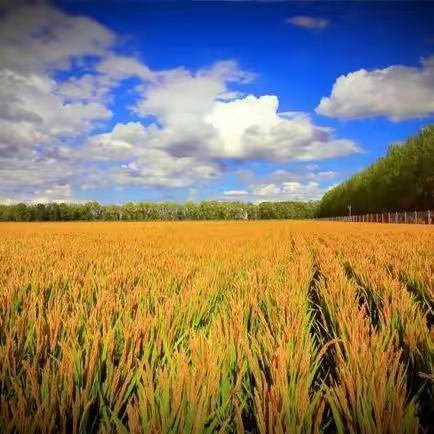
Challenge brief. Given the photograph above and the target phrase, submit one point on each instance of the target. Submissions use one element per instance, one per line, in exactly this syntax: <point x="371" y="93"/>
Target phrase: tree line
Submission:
<point x="403" y="180"/>
<point x="152" y="211"/>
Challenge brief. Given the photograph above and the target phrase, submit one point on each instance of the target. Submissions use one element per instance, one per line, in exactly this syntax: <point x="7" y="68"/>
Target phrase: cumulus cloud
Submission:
<point x="299" y="184"/>
<point x="328" y="174"/>
<point x="120" y="67"/>
<point x="306" y="22"/>
<point x="252" y="128"/>
<point x="37" y="37"/>
<point x="36" y="41"/>
<point x="243" y="129"/>
<point x="193" y="121"/>
<point x="235" y="192"/>
<point x="39" y="178"/>
<point x="291" y="191"/>
<point x="39" y="113"/>
<point x="180" y="96"/>
<point x="154" y="168"/>
<point x="397" y="92"/>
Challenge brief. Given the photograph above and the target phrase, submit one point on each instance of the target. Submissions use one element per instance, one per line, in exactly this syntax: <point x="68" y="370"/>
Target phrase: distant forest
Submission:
<point x="207" y="210"/>
<point x="403" y="180"/>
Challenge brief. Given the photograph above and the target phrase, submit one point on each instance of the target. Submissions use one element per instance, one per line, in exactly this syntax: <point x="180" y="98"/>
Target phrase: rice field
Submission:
<point x="200" y="327"/>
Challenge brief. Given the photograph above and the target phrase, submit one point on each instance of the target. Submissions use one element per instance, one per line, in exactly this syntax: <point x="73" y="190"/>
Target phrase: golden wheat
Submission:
<point x="216" y="327"/>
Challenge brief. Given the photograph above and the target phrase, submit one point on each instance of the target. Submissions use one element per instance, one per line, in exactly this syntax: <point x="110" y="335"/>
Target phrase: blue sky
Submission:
<point x="180" y="101"/>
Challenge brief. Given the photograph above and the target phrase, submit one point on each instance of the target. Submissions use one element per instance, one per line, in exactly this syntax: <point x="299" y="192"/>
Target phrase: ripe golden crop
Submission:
<point x="216" y="327"/>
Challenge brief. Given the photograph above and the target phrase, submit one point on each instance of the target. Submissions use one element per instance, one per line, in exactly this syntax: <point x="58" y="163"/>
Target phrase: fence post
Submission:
<point x="396" y="217"/>
<point x="405" y="216"/>
<point x="382" y="218"/>
<point x="415" y="217"/>
<point x="429" y="217"/>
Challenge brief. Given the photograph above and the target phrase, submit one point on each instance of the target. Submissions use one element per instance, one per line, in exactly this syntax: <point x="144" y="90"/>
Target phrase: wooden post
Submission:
<point x="388" y="217"/>
<point x="429" y="217"/>
<point x="415" y="217"/>
<point x="405" y="216"/>
<point x="396" y="217"/>
<point x="382" y="218"/>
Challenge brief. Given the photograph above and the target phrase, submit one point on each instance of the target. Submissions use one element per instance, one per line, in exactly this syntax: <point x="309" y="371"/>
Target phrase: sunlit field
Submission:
<point x="265" y="327"/>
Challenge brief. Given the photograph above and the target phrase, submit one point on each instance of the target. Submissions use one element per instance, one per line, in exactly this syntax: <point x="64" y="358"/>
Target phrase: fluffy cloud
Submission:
<point x="154" y="168"/>
<point x="198" y="128"/>
<point x="328" y="174"/>
<point x="120" y="67"/>
<point x="40" y="177"/>
<point x="179" y="97"/>
<point x="201" y="114"/>
<point x="236" y="193"/>
<point x="36" y="41"/>
<point x="39" y="37"/>
<point x="397" y="92"/>
<point x="252" y="128"/>
<point x="307" y="22"/>
<point x="301" y="183"/>
<point x="243" y="129"/>
<point x="193" y="120"/>
<point x="32" y="114"/>
<point x="292" y="191"/>
<point x="39" y="113"/>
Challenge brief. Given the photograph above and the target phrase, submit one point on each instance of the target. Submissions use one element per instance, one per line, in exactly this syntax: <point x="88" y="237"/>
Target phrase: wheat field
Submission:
<point x="191" y="327"/>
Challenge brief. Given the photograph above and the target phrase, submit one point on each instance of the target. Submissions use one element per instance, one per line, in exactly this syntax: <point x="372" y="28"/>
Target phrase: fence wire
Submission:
<point x="406" y="217"/>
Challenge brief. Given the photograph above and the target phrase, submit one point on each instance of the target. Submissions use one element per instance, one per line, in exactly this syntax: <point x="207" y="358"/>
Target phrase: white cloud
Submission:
<point x="243" y="129"/>
<point x="397" y="92"/>
<point x="267" y="190"/>
<point x="195" y="119"/>
<point x="55" y="194"/>
<point x="179" y="97"/>
<point x="311" y="167"/>
<point x="205" y="131"/>
<point x="33" y="114"/>
<point x="36" y="110"/>
<point x="133" y="149"/>
<point x="307" y="22"/>
<point x="39" y="37"/>
<point x="154" y="168"/>
<point x="121" y="67"/>
<point x="328" y="174"/>
<point x="252" y="128"/>
<point x="40" y="114"/>
<point x="299" y="184"/>
<point x="291" y="191"/>
<point x="235" y="192"/>
<point x="36" y="178"/>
